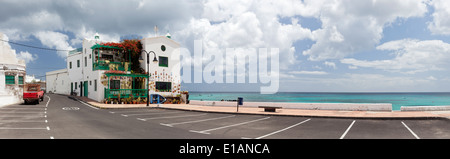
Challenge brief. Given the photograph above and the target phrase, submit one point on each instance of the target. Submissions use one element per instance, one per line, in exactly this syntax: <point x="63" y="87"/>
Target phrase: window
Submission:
<point x="164" y="86"/>
<point x="85" y="61"/>
<point x="163" y="48"/>
<point x="78" y="63"/>
<point x="114" y="84"/>
<point x="70" y="65"/>
<point x="10" y="79"/>
<point x="95" y="85"/>
<point x="20" y="79"/>
<point x="90" y="83"/>
<point x="163" y="61"/>
<point x="76" y="86"/>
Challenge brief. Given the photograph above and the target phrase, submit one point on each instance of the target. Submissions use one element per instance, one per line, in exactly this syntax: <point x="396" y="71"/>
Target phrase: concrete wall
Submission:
<point x="58" y="82"/>
<point x="308" y="106"/>
<point x="425" y="108"/>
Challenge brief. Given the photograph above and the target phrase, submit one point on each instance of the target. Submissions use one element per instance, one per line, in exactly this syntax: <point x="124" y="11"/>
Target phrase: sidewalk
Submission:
<point x="283" y="112"/>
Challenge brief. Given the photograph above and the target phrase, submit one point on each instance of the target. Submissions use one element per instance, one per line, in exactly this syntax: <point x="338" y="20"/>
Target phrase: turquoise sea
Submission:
<point x="396" y="99"/>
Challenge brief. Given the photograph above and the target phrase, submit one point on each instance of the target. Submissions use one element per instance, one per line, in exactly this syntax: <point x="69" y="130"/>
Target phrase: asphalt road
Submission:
<point x="60" y="117"/>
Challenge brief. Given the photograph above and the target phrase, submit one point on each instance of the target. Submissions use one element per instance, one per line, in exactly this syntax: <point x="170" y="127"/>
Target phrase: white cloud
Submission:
<point x="441" y="22"/>
<point x="330" y="64"/>
<point x="54" y="40"/>
<point x="27" y="57"/>
<point x="308" y="72"/>
<point x="411" y="56"/>
<point x="246" y="25"/>
<point x="349" y="27"/>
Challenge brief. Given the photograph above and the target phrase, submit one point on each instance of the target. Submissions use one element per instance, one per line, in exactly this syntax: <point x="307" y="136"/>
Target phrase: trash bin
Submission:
<point x="240" y="101"/>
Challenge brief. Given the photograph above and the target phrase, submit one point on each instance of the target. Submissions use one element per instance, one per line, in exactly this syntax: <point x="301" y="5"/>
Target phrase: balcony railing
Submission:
<point x="120" y="66"/>
<point x="125" y="93"/>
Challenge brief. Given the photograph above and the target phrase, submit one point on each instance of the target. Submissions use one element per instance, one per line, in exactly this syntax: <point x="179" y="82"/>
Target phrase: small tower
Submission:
<point x="96" y="36"/>
<point x="168" y="35"/>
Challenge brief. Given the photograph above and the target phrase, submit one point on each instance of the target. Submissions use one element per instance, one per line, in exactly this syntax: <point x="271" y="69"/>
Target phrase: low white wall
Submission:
<point x="9" y="99"/>
<point x="308" y="106"/>
<point x="425" y="108"/>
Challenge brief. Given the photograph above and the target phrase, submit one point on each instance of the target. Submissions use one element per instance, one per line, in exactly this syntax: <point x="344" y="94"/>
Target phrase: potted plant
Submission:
<point x="138" y="100"/>
<point x="134" y="101"/>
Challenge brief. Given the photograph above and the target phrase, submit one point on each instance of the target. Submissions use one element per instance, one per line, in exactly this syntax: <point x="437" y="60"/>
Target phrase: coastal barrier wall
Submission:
<point x="425" y="108"/>
<point x="307" y="106"/>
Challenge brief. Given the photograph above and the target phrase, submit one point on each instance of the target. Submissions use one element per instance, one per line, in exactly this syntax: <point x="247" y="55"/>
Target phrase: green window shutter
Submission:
<point x="20" y="79"/>
<point x="163" y="61"/>
<point x="10" y="79"/>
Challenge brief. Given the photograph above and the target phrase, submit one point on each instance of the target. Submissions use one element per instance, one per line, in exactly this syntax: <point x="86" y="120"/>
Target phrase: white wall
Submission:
<point x="164" y="74"/>
<point x="58" y="82"/>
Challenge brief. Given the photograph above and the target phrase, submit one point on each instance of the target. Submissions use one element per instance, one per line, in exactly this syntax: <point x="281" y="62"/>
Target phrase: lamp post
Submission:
<point x="148" y="72"/>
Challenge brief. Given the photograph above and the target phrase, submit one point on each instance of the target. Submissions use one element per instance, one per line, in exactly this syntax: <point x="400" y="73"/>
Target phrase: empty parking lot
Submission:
<point x="282" y="127"/>
<point x="61" y="117"/>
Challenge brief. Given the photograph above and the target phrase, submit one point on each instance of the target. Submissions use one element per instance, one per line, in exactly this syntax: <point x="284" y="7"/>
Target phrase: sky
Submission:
<point x="324" y="45"/>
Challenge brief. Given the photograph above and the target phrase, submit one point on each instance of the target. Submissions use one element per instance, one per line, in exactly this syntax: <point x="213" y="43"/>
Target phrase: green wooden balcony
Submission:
<point x="119" y="66"/>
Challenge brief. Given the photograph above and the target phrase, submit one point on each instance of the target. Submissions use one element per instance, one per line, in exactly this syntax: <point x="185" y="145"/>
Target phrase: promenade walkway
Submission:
<point x="286" y="112"/>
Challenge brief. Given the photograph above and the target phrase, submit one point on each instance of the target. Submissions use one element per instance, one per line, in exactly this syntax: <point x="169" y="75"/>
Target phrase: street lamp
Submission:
<point x="148" y="72"/>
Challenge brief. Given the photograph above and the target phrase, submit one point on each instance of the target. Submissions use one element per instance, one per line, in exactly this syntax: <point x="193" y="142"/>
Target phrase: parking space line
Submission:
<point x="196" y="121"/>
<point x="417" y="137"/>
<point x="168" y="117"/>
<point x="23" y="121"/>
<point x="223" y="127"/>
<point x="348" y="129"/>
<point x="11" y="128"/>
<point x="283" y="129"/>
<point x="140" y="111"/>
<point x="151" y="113"/>
<point x="41" y="116"/>
<point x="21" y="112"/>
<point x="23" y="108"/>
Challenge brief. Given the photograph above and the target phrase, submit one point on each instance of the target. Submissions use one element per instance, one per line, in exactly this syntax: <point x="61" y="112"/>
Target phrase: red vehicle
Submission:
<point x="32" y="93"/>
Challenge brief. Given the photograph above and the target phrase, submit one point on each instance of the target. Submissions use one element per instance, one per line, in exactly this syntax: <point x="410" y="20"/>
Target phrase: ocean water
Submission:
<point x="396" y="99"/>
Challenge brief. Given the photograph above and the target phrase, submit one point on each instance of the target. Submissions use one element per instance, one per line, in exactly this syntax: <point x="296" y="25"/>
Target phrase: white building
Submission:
<point x="58" y="82"/>
<point x="100" y="71"/>
<point x="165" y="74"/>
<point x="12" y="74"/>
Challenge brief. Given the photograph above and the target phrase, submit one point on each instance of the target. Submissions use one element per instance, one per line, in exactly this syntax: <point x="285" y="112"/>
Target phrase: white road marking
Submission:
<point x="283" y="129"/>
<point x="348" y="129"/>
<point x="140" y="111"/>
<point x="417" y="137"/>
<point x="30" y="108"/>
<point x="48" y="100"/>
<point x="223" y="127"/>
<point x="168" y="117"/>
<point x="10" y="128"/>
<point x="22" y="112"/>
<point x="24" y="116"/>
<point x="88" y="105"/>
<point x="151" y="113"/>
<point x="196" y="121"/>
<point x="22" y="121"/>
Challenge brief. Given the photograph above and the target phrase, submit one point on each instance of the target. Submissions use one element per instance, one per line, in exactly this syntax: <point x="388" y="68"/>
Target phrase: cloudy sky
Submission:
<point x="325" y="45"/>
